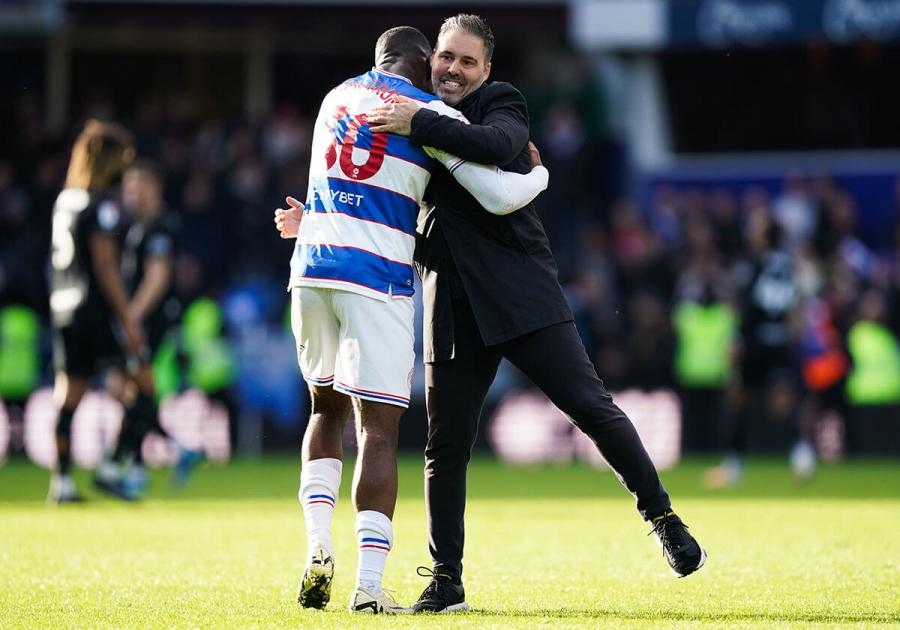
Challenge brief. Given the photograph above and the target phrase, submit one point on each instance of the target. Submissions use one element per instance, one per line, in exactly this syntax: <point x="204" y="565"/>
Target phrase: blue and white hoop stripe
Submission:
<point x="358" y="232"/>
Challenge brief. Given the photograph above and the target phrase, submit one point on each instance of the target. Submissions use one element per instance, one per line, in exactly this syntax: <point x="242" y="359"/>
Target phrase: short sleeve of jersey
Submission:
<point x="108" y="218"/>
<point x="161" y="240"/>
<point x="160" y="244"/>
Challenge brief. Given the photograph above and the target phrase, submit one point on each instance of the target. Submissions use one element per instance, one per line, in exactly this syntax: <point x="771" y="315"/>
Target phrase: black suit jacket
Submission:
<point x="501" y="264"/>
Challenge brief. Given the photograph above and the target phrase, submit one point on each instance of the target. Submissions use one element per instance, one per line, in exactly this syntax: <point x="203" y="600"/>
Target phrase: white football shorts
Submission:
<point x="361" y="346"/>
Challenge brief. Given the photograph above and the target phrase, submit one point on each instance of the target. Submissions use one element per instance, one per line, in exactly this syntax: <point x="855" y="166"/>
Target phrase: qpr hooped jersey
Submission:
<point x="359" y="227"/>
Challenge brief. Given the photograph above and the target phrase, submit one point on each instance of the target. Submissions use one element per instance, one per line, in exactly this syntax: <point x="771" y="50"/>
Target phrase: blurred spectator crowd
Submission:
<point x="681" y="294"/>
<point x="635" y="276"/>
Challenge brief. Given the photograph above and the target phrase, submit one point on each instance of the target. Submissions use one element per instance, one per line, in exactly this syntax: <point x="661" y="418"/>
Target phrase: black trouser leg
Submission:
<point x="555" y="360"/>
<point x="454" y="395"/>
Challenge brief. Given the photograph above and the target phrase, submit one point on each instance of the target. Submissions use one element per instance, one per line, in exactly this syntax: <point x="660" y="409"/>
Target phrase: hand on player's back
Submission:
<point x="395" y="117"/>
<point x="534" y="155"/>
<point x="287" y="222"/>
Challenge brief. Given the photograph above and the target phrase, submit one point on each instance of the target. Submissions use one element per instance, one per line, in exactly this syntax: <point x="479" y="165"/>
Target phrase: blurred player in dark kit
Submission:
<point x="95" y="327"/>
<point x="148" y="262"/>
<point x="87" y="297"/>
<point x="767" y="369"/>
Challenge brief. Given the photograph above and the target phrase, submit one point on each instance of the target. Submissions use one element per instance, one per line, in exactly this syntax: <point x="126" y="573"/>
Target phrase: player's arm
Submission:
<point x="499" y="192"/>
<point x="104" y="258"/>
<point x="287" y="221"/>
<point x="159" y="269"/>
<point x="105" y="261"/>
<point x="500" y="137"/>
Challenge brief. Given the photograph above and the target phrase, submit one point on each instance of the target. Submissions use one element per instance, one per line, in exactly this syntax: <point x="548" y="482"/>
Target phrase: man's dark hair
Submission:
<point x="147" y="166"/>
<point x="474" y="25"/>
<point x="401" y="42"/>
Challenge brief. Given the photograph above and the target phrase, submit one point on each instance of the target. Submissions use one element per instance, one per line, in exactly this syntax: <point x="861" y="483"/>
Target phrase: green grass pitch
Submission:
<point x="550" y="546"/>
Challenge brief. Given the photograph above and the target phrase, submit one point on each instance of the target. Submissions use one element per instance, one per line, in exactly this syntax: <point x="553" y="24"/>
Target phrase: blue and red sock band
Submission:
<point x="375" y="543"/>
<point x="320" y="498"/>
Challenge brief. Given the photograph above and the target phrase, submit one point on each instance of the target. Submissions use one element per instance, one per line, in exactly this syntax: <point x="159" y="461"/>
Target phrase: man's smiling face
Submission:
<point x="458" y="65"/>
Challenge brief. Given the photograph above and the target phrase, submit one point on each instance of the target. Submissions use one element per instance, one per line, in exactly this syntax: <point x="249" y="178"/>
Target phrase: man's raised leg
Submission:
<point x="555" y="360"/>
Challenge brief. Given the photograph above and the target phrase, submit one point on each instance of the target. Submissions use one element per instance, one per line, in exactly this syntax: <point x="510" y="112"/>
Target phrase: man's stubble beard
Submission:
<point x="445" y="99"/>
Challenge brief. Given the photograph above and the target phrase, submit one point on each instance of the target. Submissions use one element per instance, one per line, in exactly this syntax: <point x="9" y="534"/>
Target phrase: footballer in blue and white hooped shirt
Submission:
<point x="358" y="232"/>
<point x="351" y="272"/>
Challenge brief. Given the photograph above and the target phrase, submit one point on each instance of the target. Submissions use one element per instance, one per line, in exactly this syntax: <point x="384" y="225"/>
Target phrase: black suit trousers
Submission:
<point x="555" y="360"/>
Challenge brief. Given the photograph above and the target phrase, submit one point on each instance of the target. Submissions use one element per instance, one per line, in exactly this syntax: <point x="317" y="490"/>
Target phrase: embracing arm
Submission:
<point x="499" y="138"/>
<point x="499" y="192"/>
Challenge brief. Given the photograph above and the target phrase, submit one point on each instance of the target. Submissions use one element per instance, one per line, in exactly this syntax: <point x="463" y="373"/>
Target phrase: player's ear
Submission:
<point x="487" y="70"/>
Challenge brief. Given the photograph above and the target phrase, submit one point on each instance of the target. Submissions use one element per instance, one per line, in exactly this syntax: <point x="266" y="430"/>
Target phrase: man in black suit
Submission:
<point x="491" y="291"/>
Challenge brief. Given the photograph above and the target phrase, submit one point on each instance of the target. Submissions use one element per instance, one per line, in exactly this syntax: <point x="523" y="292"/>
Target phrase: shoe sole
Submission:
<point x="696" y="568"/>
<point x="365" y="609"/>
<point x="453" y="608"/>
<point x="315" y="586"/>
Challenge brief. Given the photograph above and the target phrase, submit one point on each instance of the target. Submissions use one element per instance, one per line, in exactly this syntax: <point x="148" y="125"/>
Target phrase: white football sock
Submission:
<point x="375" y="535"/>
<point x="320" y="481"/>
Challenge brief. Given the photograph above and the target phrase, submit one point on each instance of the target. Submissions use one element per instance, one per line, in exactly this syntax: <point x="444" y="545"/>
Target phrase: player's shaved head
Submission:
<point x="401" y="42"/>
<point x="404" y="50"/>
